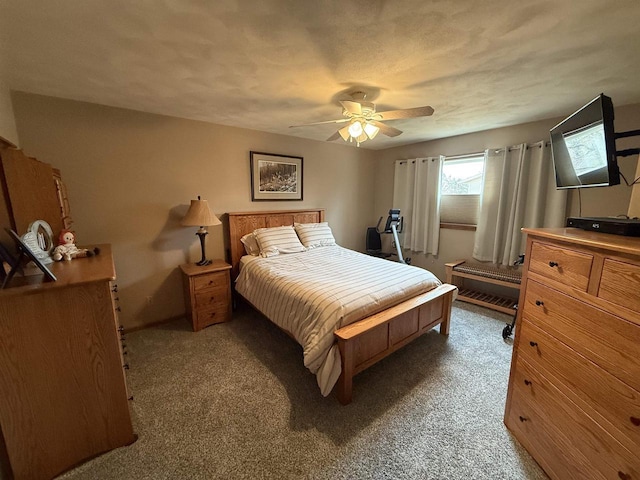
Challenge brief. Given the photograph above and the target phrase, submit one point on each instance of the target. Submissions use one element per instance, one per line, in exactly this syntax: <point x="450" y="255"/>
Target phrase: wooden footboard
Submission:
<point x="369" y="340"/>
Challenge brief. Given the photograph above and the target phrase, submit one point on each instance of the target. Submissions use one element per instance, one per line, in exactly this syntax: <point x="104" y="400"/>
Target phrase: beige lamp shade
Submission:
<point x="199" y="215"/>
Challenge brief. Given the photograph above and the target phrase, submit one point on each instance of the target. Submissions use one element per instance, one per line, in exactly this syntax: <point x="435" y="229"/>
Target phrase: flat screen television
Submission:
<point x="584" y="149"/>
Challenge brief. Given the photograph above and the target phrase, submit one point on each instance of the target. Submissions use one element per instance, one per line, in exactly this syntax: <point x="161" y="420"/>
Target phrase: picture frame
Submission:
<point x="25" y="250"/>
<point x="8" y="263"/>
<point x="275" y="177"/>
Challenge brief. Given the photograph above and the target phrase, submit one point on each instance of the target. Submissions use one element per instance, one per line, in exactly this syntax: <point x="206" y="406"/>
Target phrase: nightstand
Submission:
<point x="207" y="293"/>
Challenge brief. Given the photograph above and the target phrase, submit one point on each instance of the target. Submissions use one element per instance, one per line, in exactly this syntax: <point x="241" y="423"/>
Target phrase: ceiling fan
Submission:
<point x="364" y="123"/>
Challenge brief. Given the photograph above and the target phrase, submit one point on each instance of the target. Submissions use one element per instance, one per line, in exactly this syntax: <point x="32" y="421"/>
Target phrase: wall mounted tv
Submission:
<point x="584" y="149"/>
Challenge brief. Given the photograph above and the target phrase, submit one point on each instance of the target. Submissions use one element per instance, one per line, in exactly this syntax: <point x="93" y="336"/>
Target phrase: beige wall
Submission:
<point x="455" y="244"/>
<point x="8" y="129"/>
<point x="131" y="175"/>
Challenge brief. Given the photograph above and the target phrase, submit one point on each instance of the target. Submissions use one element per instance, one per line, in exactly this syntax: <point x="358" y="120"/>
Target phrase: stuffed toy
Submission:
<point x="66" y="249"/>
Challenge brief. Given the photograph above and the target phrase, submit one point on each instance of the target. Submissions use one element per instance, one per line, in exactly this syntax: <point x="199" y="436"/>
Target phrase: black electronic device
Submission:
<point x="629" y="227"/>
<point x="393" y="218"/>
<point x="583" y="147"/>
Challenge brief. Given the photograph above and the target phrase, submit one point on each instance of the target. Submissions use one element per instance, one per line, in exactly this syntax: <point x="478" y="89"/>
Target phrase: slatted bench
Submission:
<point x="497" y="275"/>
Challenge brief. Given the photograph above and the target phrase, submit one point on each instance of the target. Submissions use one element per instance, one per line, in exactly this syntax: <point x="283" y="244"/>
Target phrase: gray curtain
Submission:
<point x="519" y="191"/>
<point x="416" y="192"/>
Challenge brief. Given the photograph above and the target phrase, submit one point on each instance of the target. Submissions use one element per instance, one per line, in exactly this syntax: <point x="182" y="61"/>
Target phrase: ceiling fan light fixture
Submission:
<point x="355" y="129"/>
<point x="371" y="130"/>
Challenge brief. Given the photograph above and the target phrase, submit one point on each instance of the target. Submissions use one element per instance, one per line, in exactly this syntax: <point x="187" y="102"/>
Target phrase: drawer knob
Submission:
<point x="121" y="328"/>
<point x="523" y="419"/>
<point x="126" y="366"/>
<point x="533" y="344"/>
<point x="527" y="382"/>
<point x="553" y="264"/>
<point x="213" y="314"/>
<point x="114" y="288"/>
<point x="624" y="476"/>
<point x="635" y="421"/>
<point x="539" y="303"/>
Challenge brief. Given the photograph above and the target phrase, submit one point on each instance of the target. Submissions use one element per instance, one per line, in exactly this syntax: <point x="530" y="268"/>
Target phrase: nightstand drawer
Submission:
<point x="210" y="297"/>
<point x="569" y="267"/>
<point x="209" y="316"/>
<point x="607" y="340"/>
<point x="210" y="280"/>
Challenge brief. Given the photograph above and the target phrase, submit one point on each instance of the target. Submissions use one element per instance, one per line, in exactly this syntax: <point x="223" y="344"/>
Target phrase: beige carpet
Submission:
<point x="235" y="401"/>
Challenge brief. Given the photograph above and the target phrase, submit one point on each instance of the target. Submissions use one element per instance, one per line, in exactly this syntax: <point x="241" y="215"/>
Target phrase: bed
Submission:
<point x="369" y="336"/>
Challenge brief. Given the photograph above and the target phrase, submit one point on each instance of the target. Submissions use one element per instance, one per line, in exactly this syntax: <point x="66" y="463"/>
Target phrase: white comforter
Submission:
<point x="312" y="294"/>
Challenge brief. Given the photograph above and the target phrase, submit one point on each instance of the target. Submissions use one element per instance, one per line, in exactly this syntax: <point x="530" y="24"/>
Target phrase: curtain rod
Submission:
<point x="479" y="154"/>
<point x="464" y="155"/>
<point x="535" y="145"/>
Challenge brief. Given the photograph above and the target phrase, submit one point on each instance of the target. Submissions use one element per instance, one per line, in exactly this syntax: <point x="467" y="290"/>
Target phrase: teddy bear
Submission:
<point x="66" y="249"/>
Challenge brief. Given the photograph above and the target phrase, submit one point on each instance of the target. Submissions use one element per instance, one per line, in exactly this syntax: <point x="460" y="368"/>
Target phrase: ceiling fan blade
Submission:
<point x="353" y="108"/>
<point x="341" y="120"/>
<point x="386" y="129"/>
<point x="335" y="136"/>
<point x="405" y="113"/>
<point x="344" y="133"/>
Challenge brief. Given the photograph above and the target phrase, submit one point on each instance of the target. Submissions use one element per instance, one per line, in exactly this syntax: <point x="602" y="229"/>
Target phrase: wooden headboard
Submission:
<point x="241" y="223"/>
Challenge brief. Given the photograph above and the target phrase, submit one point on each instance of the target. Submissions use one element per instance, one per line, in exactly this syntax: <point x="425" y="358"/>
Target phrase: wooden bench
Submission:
<point x="497" y="275"/>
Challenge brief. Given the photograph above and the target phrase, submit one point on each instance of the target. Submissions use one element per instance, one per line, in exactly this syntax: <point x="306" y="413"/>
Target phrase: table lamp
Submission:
<point x="199" y="215"/>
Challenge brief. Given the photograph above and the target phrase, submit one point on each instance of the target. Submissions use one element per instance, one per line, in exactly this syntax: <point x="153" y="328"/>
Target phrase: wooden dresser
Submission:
<point x="64" y="397"/>
<point x="574" y="389"/>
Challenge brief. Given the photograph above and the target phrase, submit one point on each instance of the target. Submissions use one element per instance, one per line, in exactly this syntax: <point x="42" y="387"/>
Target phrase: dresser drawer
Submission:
<point x="210" y="297"/>
<point x="210" y="280"/>
<point x="571" y="429"/>
<point x="620" y="284"/>
<point x="593" y="389"/>
<point x="605" y="339"/>
<point x="566" y="266"/>
<point x="541" y="440"/>
<point x="209" y="316"/>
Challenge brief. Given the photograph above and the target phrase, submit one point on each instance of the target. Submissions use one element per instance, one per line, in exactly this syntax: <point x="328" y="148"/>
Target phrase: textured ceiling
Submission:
<point x="269" y="64"/>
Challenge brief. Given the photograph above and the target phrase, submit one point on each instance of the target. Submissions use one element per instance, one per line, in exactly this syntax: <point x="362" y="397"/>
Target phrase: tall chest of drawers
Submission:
<point x="574" y="389"/>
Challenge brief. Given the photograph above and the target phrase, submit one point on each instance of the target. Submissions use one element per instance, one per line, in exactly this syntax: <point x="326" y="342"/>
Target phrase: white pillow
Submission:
<point x="314" y="235"/>
<point x="250" y="244"/>
<point x="276" y="240"/>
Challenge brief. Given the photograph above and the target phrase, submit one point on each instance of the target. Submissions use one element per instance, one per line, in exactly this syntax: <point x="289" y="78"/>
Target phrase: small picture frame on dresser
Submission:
<point x="26" y="251"/>
<point x="8" y="263"/>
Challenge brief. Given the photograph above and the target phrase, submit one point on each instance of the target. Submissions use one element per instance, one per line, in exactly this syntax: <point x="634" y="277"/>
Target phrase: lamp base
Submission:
<point x="202" y="232"/>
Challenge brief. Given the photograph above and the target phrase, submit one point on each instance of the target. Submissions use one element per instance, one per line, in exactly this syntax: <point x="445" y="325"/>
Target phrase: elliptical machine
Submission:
<point x="393" y="225"/>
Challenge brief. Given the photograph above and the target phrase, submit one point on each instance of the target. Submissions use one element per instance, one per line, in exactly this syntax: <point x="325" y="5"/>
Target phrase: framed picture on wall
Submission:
<point x="275" y="177"/>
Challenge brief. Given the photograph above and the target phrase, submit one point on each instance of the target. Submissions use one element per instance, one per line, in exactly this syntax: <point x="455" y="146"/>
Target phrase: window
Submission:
<point x="460" y="189"/>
